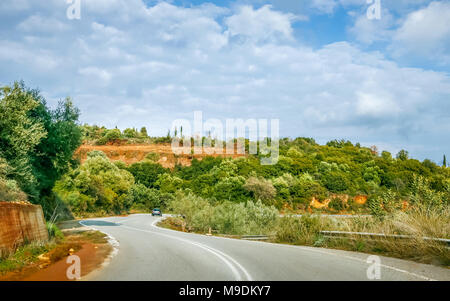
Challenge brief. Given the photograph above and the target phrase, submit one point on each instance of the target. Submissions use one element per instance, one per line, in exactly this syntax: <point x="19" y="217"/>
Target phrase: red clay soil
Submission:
<point x="91" y="257"/>
<point x="132" y="153"/>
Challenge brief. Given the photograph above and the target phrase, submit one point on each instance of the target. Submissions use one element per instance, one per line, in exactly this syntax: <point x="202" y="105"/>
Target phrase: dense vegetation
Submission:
<point x="231" y="196"/>
<point x="336" y="171"/>
<point x="36" y="145"/>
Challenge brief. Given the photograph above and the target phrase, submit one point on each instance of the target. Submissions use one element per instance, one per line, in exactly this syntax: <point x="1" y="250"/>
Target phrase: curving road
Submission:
<point x="148" y="252"/>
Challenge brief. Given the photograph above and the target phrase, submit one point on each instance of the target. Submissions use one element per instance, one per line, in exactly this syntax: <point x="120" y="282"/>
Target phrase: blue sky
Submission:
<point x="320" y="66"/>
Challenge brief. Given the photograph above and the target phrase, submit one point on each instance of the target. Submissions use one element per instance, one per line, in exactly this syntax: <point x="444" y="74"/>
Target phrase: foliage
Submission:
<point x="146" y="172"/>
<point x="154" y="157"/>
<point x="261" y="189"/>
<point x="403" y="155"/>
<point x="423" y="196"/>
<point x="303" y="230"/>
<point x="110" y="136"/>
<point x="226" y="217"/>
<point x="143" y="132"/>
<point x="143" y="198"/>
<point x="336" y="204"/>
<point x="54" y="231"/>
<point x="36" y="143"/>
<point x="97" y="185"/>
<point x="20" y="134"/>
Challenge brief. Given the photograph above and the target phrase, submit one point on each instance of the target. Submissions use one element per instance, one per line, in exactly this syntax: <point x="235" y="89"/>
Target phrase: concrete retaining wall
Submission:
<point x="19" y="224"/>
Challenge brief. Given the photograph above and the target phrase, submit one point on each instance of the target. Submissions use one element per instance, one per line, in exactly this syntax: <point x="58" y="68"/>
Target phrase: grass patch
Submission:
<point x="173" y="223"/>
<point x="416" y="223"/>
<point x="60" y="246"/>
<point x="95" y="237"/>
<point x="24" y="256"/>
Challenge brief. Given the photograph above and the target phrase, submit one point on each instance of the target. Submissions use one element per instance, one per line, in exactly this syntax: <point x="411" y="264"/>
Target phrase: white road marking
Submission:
<point x="383" y="265"/>
<point x="247" y="275"/>
<point x="224" y="257"/>
<point x="111" y="240"/>
<point x="318" y="251"/>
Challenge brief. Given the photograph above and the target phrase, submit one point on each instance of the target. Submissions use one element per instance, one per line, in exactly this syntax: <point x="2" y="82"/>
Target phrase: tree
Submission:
<point x="403" y="155"/>
<point x="53" y="155"/>
<point x="261" y="189"/>
<point x="386" y="155"/>
<point x="130" y="133"/>
<point x="146" y="172"/>
<point x="231" y="188"/>
<point x="20" y="133"/>
<point x="144" y="132"/>
<point x="145" y="198"/>
<point x="110" y="135"/>
<point x="444" y="162"/>
<point x="9" y="189"/>
<point x="97" y="185"/>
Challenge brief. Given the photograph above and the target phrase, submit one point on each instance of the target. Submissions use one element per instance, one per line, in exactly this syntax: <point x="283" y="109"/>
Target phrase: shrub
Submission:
<point x="230" y="218"/>
<point x="305" y="188"/>
<point x="130" y="133"/>
<point x="54" y="231"/>
<point x="261" y="219"/>
<point x="335" y="181"/>
<point x="261" y="189"/>
<point x="10" y="191"/>
<point x="110" y="135"/>
<point x="423" y="196"/>
<point x="96" y="185"/>
<point x="231" y="188"/>
<point x="146" y="172"/>
<point x="154" y="157"/>
<point x="336" y="204"/>
<point x="303" y="230"/>
<point x="168" y="183"/>
<point x="227" y="217"/>
<point x="144" y="198"/>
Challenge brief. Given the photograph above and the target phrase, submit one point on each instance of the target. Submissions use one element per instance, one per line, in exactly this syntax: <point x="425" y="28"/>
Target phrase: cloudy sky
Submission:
<point x="320" y="66"/>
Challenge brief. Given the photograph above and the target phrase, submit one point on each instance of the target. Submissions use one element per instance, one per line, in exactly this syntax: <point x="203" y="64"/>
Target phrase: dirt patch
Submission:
<point x="132" y="153"/>
<point x="90" y="246"/>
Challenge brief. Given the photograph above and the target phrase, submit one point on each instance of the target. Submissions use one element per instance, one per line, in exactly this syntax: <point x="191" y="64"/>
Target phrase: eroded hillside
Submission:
<point x="131" y="153"/>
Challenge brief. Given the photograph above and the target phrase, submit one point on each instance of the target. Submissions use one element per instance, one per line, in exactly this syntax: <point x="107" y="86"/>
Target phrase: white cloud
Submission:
<point x="372" y="105"/>
<point x="325" y="6"/>
<point x="369" y="31"/>
<point x="41" y="24"/>
<point x="425" y="33"/>
<point x="126" y="64"/>
<point x="261" y="25"/>
<point x="96" y="74"/>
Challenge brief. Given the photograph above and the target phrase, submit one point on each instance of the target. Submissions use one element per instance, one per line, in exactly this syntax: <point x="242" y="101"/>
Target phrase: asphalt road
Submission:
<point x="147" y="252"/>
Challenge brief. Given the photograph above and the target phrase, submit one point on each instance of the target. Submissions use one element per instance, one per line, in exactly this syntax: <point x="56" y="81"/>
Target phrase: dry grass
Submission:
<point x="416" y="223"/>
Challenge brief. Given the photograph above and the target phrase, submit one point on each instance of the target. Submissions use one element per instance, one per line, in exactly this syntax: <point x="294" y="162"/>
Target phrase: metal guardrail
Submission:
<point x="255" y="237"/>
<point x="341" y="234"/>
<point x="329" y="215"/>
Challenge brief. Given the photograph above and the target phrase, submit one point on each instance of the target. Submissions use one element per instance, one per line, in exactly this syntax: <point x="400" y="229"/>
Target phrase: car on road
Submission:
<point x="156" y="211"/>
